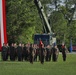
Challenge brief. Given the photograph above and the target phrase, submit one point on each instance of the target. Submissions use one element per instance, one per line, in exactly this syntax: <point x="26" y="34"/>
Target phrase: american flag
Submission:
<point x="3" y="35"/>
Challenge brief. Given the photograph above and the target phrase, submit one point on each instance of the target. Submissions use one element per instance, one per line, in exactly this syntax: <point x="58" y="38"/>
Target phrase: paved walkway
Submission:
<point x="69" y="53"/>
<point x="72" y="53"/>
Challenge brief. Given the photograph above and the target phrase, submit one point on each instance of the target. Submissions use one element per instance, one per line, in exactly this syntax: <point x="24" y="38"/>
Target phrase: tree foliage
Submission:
<point x="59" y="26"/>
<point x="61" y="18"/>
<point x="23" y="20"/>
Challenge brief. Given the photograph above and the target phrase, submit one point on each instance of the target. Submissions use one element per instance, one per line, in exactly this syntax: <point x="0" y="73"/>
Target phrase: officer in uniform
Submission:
<point x="54" y="50"/>
<point x="41" y="47"/>
<point x="19" y="52"/>
<point x="12" y="52"/>
<point x="48" y="53"/>
<point x="42" y="54"/>
<point x="22" y="52"/>
<point x="42" y="51"/>
<point x="57" y="52"/>
<point x="15" y="49"/>
<point x="31" y="54"/>
<point x="25" y="52"/>
<point x="4" y="52"/>
<point x="8" y="50"/>
<point x="63" y="52"/>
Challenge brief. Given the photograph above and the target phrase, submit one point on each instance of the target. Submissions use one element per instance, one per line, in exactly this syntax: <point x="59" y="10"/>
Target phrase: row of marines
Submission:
<point x="31" y="52"/>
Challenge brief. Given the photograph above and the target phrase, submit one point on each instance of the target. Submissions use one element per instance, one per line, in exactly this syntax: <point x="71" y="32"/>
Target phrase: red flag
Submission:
<point x="40" y="43"/>
<point x="3" y="35"/>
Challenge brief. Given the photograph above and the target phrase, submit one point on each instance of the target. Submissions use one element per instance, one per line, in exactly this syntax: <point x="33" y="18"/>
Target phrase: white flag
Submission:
<point x="3" y="35"/>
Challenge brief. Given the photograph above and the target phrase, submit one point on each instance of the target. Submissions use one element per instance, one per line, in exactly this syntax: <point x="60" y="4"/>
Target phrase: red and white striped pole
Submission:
<point x="3" y="33"/>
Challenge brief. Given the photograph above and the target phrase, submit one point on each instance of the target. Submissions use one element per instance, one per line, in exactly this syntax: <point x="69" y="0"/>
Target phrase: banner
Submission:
<point x="3" y="35"/>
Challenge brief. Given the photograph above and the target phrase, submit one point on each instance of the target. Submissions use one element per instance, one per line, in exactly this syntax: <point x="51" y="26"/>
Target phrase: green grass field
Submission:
<point x="48" y="68"/>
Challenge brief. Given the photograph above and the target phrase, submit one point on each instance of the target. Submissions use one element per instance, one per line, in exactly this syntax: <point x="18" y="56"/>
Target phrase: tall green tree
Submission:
<point x="22" y="20"/>
<point x="59" y="26"/>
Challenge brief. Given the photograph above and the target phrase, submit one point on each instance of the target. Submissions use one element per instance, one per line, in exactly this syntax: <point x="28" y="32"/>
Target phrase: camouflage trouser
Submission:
<point x="54" y="57"/>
